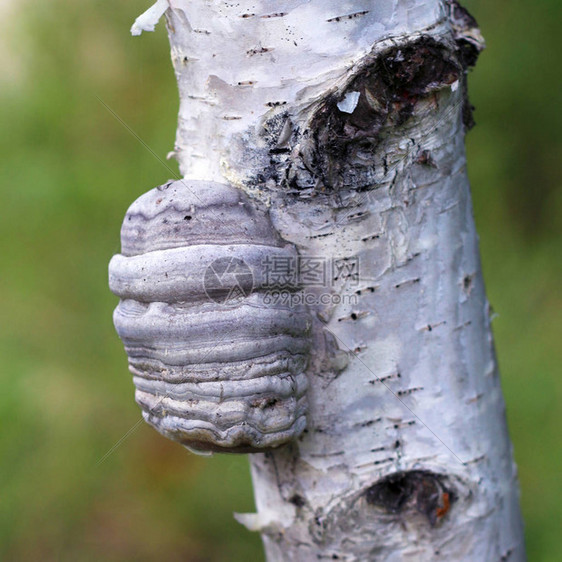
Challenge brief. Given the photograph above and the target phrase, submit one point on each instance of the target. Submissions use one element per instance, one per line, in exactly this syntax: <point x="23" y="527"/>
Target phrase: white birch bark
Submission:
<point x="406" y="455"/>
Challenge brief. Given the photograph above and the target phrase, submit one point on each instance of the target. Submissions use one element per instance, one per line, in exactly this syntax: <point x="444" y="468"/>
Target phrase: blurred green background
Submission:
<point x="69" y="171"/>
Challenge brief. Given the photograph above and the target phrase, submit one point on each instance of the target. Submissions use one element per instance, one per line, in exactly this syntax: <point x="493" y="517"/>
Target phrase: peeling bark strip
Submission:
<point x="347" y="124"/>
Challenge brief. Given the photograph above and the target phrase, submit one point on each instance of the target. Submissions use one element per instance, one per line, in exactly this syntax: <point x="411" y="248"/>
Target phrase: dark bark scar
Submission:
<point x="412" y="491"/>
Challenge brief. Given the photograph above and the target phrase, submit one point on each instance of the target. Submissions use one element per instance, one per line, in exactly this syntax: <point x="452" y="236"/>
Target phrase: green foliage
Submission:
<point x="514" y="155"/>
<point x="70" y="171"/>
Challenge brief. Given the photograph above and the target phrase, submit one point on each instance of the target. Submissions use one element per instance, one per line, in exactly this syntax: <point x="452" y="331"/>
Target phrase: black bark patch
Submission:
<point x="412" y="491"/>
<point x="339" y="150"/>
<point x="470" y="44"/>
<point x="467" y="34"/>
<point x="467" y="283"/>
<point x="389" y="88"/>
<point x="297" y="500"/>
<point x="467" y="109"/>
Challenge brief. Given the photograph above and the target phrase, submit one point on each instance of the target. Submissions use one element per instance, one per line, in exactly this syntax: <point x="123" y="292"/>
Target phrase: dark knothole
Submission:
<point x="412" y="491"/>
<point x="340" y="148"/>
<point x="297" y="500"/>
<point x="389" y="88"/>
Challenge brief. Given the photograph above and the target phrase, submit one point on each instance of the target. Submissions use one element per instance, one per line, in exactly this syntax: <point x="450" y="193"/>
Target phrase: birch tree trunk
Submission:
<point x="347" y="120"/>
